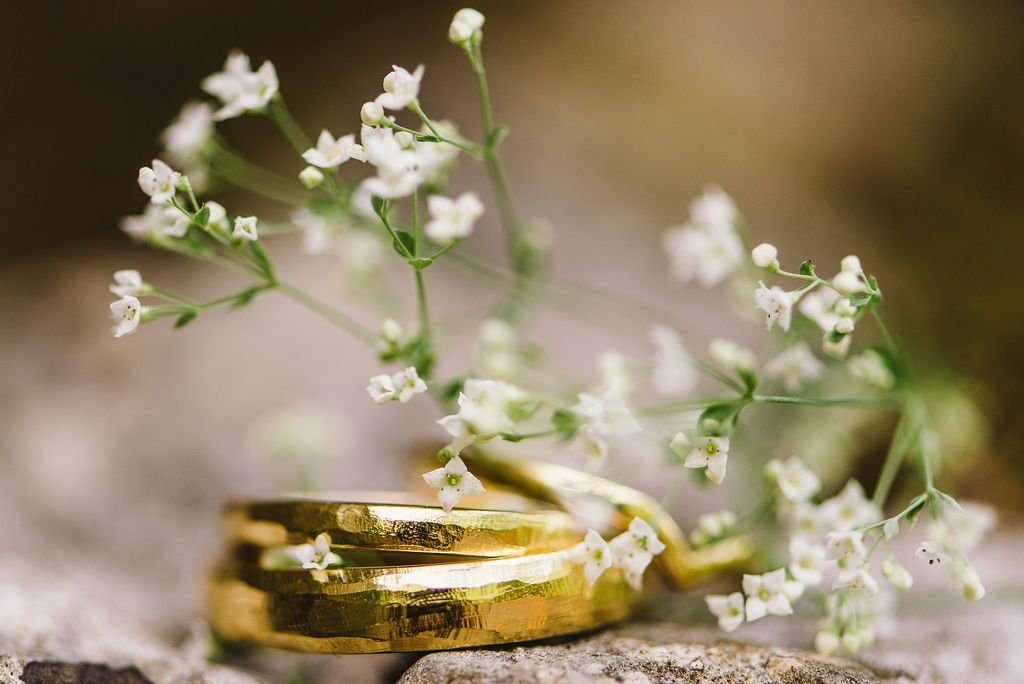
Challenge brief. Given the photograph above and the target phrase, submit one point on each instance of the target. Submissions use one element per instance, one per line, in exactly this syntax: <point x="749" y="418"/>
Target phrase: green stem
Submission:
<point x="300" y="142"/>
<point x="894" y="458"/>
<point x="435" y="136"/>
<point x="426" y="353"/>
<point x="839" y="402"/>
<point x="330" y="313"/>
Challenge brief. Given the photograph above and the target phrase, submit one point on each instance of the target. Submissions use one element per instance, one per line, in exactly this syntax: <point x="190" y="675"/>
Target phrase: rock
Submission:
<point x="643" y="653"/>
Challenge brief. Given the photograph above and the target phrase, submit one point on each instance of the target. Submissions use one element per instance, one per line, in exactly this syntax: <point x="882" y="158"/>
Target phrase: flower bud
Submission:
<point x="826" y="642"/>
<point x="371" y="114"/>
<point x="848" y="283"/>
<point x="897" y="574"/>
<point x="851" y="264"/>
<point x="765" y="256"/>
<point x="311" y="177"/>
<point x="471" y="17"/>
<point x="844" y="326"/>
<point x="405" y="140"/>
<point x="836" y="349"/>
<point x="459" y="32"/>
<point x="851" y="642"/>
<point x="843" y="307"/>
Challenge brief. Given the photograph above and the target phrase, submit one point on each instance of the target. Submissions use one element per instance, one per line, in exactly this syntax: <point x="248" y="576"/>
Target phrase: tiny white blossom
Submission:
<point x="127" y="283"/>
<point x="594" y="554"/>
<point x="964" y="528"/>
<point x="766" y="594"/>
<point x="603" y="419"/>
<point x="389" y="337"/>
<point x="459" y="32"/>
<point x="408" y="384"/>
<point x="963" y="575"/>
<point x="807" y="521"/>
<point x="397" y="175"/>
<point x="730" y="355"/>
<point x="848" y="283"/>
<point x="127" y="314"/>
<point x="806" y="561"/>
<point x="245" y="228"/>
<point x="187" y="134"/>
<point x="845" y="325"/>
<point x="777" y="305"/>
<point x="897" y="574"/>
<point x="154" y="222"/>
<point x="318" y="555"/>
<point x="765" y="256"/>
<point x="706" y="253"/>
<point x="674" y="373"/>
<point x="857" y="578"/>
<point x="452" y="219"/>
<point x="330" y="151"/>
<point x="848" y="545"/>
<point x="850" y="508"/>
<point x="160" y="181"/>
<point x="453" y="482"/>
<point x="796" y="482"/>
<point x="311" y="177"/>
<point x="434" y="160"/>
<point x="932" y="551"/>
<point x="819" y="305"/>
<point x="381" y="388"/>
<point x="710" y="526"/>
<point x="710" y="453"/>
<point x="795" y="366"/>
<point x="400" y="88"/>
<point x="486" y="408"/>
<point x="728" y="609"/>
<point x="470" y="17"/>
<point x="851" y="264"/>
<point x="826" y="642"/>
<point x="837" y="349"/>
<point x="239" y="88"/>
<point x="634" y="549"/>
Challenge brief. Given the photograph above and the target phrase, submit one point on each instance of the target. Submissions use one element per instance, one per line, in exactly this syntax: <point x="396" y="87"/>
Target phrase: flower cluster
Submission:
<point x="631" y="552"/>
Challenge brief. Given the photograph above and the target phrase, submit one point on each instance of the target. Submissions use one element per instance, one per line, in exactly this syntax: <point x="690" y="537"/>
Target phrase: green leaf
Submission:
<point x="450" y="390"/>
<point x="720" y="415"/>
<point x="749" y="379"/>
<point x="380" y="205"/>
<point x="246" y="297"/>
<point x="807" y="268"/>
<point x="185" y="318"/>
<point x="915" y="508"/>
<point x="946" y="498"/>
<point x="565" y="422"/>
<point x="404" y="244"/>
<point x="202" y="217"/>
<point x="420" y="263"/>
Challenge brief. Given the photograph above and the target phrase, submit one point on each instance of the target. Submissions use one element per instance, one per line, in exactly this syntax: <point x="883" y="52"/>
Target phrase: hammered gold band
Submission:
<point x="382" y="526"/>
<point x="412" y="607"/>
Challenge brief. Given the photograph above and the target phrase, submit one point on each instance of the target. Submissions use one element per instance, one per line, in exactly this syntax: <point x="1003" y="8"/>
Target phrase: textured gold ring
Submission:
<point x="411" y="607"/>
<point x="372" y="524"/>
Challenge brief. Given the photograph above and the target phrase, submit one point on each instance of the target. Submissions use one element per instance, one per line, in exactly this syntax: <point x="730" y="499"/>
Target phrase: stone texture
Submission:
<point x="649" y="653"/>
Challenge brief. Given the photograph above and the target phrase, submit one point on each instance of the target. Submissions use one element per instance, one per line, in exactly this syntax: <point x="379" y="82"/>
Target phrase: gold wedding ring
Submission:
<point x="412" y="607"/>
<point x="390" y="521"/>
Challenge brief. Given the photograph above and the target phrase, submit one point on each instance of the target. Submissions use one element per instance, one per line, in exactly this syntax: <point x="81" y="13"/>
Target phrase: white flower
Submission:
<point x="765" y="256"/>
<point x="127" y="313"/>
<point x="710" y="526"/>
<point x="127" y="283"/>
<point x="933" y="552"/>
<point x="318" y="555"/>
<point x="400" y="88"/>
<point x="459" y="32"/>
<point x="602" y="419"/>
<point x="850" y="508"/>
<point x="239" y="88"/>
<point x="371" y="113"/>
<point x="730" y="355"/>
<point x="848" y="283"/>
<point x="766" y="594"/>
<point x="962" y="574"/>
<point x="245" y="228"/>
<point x="858" y="579"/>
<point x="311" y="177"/>
<point x="826" y="642"/>
<point x="796" y="482"/>
<point x="710" y="453"/>
<point x="728" y="609"/>
<point x="594" y="554"/>
<point x="330" y="151"/>
<point x="845" y="545"/>
<point x="851" y="264"/>
<point x="964" y="529"/>
<point x="472" y="18"/>
<point x="616" y="373"/>
<point x="452" y="219"/>
<point x="381" y="388"/>
<point x="870" y="367"/>
<point x="807" y="521"/>
<point x="496" y="333"/>
<point x="897" y="574"/>
<point x="837" y="349"/>
<point x="485" y="410"/>
<point x="707" y="255"/>
<point x="188" y="133"/>
<point x="453" y="482"/>
<point x="777" y="305"/>
<point x="389" y="337"/>
<point x="160" y="181"/>
<point x="634" y="549"/>
<point x="408" y="384"/>
<point x="806" y="561"/>
<point x="218" y="216"/>
<point x="819" y="305"/>
<point x="435" y="159"/>
<point x="401" y="386"/>
<point x="674" y="373"/>
<point x="156" y="221"/>
<point x="795" y="366"/>
<point x="397" y="175"/>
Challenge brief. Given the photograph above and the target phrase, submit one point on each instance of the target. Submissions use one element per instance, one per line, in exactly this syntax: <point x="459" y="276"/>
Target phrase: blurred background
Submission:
<point x="893" y="130"/>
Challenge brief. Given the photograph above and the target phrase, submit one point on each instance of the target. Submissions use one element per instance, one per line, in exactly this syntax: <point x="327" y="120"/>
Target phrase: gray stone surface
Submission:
<point x="648" y="653"/>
